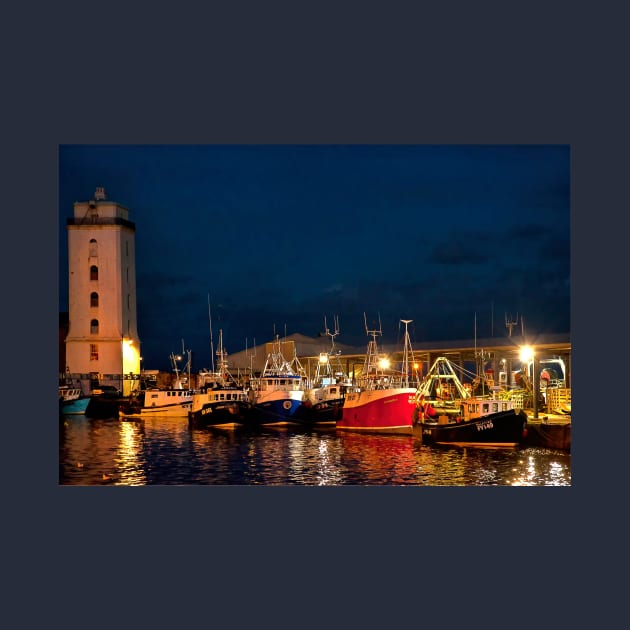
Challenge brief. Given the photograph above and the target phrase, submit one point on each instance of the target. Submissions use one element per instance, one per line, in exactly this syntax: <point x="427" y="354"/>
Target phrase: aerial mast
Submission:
<point x="406" y="350"/>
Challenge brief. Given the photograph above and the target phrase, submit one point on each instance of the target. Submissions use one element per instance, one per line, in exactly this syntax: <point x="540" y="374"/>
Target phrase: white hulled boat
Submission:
<point x="173" y="401"/>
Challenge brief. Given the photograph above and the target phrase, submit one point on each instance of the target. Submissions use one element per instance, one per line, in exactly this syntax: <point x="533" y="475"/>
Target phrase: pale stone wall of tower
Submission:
<point x="101" y="235"/>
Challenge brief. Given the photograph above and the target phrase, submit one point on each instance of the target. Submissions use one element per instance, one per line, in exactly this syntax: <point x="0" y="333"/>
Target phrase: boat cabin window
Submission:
<point x="94" y="299"/>
<point x="486" y="407"/>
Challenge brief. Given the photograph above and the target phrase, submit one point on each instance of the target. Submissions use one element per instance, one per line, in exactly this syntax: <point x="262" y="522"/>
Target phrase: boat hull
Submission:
<point x="227" y="415"/>
<point x="104" y="407"/>
<point x="74" y="407"/>
<point x="555" y="436"/>
<point x="180" y="410"/>
<point x="505" y="428"/>
<point x="280" y="411"/>
<point x="175" y="403"/>
<point x="323" y="413"/>
<point x="379" y="411"/>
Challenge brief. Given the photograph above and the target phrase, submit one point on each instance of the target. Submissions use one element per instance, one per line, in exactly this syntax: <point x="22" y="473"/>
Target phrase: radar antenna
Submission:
<point x="510" y="323"/>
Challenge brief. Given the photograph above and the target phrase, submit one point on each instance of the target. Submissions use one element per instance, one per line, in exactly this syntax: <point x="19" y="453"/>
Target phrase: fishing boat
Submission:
<point x="221" y="401"/>
<point x="278" y="393"/>
<point x="324" y="397"/>
<point x="383" y="400"/>
<point x="175" y="401"/>
<point x="447" y="413"/>
<point x="72" y="401"/>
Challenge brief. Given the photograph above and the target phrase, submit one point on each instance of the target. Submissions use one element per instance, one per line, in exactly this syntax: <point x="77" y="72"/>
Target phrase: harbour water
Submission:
<point x="165" y="451"/>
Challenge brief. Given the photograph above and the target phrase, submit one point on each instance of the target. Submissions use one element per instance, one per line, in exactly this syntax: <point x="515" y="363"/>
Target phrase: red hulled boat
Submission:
<point x="383" y="400"/>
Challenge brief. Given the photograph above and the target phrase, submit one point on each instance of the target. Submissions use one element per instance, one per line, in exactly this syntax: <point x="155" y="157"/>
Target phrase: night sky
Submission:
<point x="280" y="236"/>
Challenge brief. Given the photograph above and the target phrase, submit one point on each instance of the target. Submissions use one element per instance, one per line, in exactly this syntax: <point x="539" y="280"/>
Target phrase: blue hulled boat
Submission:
<point x="72" y="401"/>
<point x="279" y="391"/>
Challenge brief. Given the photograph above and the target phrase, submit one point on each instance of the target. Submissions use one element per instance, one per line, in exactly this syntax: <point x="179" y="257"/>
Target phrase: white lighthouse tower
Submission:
<point x="102" y="346"/>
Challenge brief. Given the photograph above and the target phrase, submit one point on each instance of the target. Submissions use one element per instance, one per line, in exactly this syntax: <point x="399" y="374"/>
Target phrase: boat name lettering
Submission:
<point x="484" y="424"/>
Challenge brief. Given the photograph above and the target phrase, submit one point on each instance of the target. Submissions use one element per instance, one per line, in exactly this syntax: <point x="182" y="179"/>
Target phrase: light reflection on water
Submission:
<point x="165" y="451"/>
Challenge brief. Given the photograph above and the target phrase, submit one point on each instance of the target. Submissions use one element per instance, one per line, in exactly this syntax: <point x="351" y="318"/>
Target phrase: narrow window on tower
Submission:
<point x="93" y="272"/>
<point x="93" y="352"/>
<point x="93" y="247"/>
<point x="94" y="327"/>
<point x="94" y="299"/>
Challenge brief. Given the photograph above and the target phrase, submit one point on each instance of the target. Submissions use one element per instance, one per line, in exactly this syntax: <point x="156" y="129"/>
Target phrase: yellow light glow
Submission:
<point x="383" y="363"/>
<point x="323" y="358"/>
<point x="415" y="366"/>
<point x="130" y="363"/>
<point x="526" y="354"/>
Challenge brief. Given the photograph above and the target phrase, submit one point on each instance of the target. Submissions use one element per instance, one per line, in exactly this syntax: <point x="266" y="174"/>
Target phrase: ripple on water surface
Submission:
<point x="165" y="451"/>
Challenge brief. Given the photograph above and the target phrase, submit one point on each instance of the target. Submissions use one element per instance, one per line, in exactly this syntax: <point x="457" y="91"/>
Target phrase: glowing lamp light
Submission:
<point x="526" y="354"/>
<point x="323" y="358"/>
<point x="383" y="363"/>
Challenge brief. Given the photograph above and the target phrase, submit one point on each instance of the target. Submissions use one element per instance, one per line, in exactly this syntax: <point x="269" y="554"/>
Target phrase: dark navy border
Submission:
<point x="379" y="73"/>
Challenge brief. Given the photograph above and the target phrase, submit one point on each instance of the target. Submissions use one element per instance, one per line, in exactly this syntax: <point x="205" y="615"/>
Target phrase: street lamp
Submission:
<point x="130" y="363"/>
<point x="528" y="356"/>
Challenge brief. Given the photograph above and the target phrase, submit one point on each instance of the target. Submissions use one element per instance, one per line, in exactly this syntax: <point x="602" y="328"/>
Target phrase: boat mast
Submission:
<point x="189" y="357"/>
<point x="252" y="356"/>
<point x="371" y="371"/>
<point x="187" y="366"/>
<point x="221" y="358"/>
<point x="325" y="367"/>
<point x="174" y="360"/>
<point x="211" y="345"/>
<point x="480" y="359"/>
<point x="406" y="351"/>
